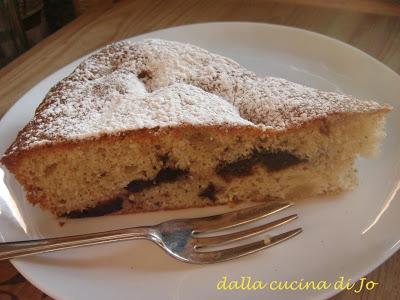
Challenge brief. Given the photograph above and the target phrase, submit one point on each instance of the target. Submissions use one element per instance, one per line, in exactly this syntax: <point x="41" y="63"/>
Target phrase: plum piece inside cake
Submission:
<point x="154" y="125"/>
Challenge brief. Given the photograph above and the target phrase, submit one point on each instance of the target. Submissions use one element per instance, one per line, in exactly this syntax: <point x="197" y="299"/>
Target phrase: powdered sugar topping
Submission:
<point x="157" y="83"/>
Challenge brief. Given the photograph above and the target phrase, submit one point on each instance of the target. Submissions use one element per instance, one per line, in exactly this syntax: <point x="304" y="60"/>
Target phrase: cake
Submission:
<point x="156" y="125"/>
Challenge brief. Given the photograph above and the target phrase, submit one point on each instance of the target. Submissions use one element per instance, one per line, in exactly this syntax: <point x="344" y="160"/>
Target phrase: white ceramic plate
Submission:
<point x="348" y="235"/>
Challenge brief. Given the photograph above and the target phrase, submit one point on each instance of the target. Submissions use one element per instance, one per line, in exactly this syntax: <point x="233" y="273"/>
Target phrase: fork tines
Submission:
<point x="234" y="219"/>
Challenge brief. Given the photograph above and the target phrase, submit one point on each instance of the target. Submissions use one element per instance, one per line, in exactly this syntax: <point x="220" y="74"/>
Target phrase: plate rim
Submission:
<point x="384" y="255"/>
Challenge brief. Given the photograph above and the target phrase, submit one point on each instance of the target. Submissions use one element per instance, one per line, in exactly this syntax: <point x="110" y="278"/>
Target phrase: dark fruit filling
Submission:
<point x="101" y="209"/>
<point x="209" y="192"/>
<point x="275" y="161"/>
<point x="164" y="175"/>
<point x="272" y="160"/>
<point x="239" y="168"/>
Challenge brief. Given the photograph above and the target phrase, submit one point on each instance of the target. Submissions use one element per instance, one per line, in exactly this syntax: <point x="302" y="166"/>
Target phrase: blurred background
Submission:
<point x="23" y="23"/>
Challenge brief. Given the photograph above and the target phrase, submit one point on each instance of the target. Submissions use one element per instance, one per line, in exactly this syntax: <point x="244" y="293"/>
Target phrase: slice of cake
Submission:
<point x="157" y="125"/>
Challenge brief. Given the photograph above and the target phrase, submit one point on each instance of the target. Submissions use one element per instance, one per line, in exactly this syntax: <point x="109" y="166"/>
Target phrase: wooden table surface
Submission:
<point x="370" y="25"/>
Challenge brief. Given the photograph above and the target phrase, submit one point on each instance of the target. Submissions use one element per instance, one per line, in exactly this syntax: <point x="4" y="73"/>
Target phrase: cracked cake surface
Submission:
<point x="158" y="83"/>
<point x="156" y="125"/>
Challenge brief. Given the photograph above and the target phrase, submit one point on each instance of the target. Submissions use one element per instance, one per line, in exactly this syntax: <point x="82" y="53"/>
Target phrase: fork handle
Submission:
<point x="24" y="248"/>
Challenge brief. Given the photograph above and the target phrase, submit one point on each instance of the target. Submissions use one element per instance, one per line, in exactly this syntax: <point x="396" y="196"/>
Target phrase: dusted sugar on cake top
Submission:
<point x="156" y="124"/>
<point x="130" y="86"/>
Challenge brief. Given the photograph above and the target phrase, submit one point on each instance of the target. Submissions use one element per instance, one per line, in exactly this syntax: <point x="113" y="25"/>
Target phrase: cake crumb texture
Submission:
<point x="156" y="125"/>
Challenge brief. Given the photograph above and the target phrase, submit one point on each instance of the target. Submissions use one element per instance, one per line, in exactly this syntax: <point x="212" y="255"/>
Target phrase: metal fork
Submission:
<point x="179" y="238"/>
